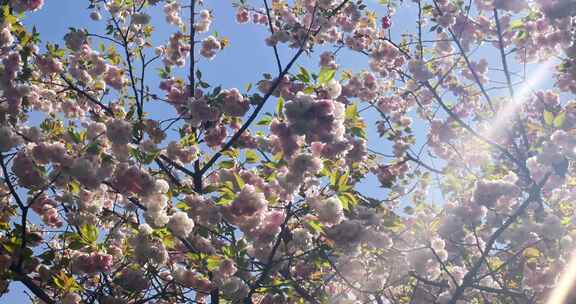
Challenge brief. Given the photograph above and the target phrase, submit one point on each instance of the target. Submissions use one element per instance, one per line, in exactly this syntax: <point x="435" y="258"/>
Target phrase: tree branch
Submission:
<point x="468" y="279"/>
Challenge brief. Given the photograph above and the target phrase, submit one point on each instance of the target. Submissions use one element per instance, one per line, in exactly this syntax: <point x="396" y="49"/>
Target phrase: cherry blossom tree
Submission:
<point x="254" y="194"/>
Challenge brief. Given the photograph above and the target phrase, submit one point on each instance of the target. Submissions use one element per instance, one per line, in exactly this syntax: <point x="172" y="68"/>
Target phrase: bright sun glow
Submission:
<point x="566" y="283"/>
<point x="506" y="114"/>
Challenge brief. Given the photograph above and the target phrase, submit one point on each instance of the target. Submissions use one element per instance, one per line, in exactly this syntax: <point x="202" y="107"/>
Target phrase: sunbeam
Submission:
<point x="563" y="289"/>
<point x="506" y="114"/>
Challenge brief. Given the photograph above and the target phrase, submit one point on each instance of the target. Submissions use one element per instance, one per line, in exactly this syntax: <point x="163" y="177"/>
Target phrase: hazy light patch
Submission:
<point x="474" y="149"/>
<point x="564" y="287"/>
<point x="507" y="113"/>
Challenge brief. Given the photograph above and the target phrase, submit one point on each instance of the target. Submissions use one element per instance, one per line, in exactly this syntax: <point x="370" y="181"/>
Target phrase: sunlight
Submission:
<point x="506" y="114"/>
<point x="562" y="291"/>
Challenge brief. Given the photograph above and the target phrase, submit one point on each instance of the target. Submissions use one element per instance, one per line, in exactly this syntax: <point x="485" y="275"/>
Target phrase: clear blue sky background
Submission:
<point x="241" y="63"/>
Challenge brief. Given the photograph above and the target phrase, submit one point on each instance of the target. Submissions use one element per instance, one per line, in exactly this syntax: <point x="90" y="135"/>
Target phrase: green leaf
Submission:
<point x="183" y="206"/>
<point x="326" y="75"/>
<point x="344" y="202"/>
<point x="212" y="262"/>
<point x="11" y="245"/>
<point x="226" y="164"/>
<point x="65" y="282"/>
<point x="347" y="199"/>
<point x="516" y="24"/>
<point x="343" y="181"/>
<point x="303" y="76"/>
<point x="135" y="154"/>
<point x="216" y="91"/>
<point x="26" y="38"/>
<point x="360" y="132"/>
<point x="309" y="90"/>
<point x="393" y="223"/>
<point x="239" y="181"/>
<point x="7" y="17"/>
<point x="325" y="171"/>
<point x="316" y="226"/>
<point x="280" y="106"/>
<point x="89" y="233"/>
<point x="76" y="137"/>
<point x="164" y="73"/>
<point x="210" y="188"/>
<point x="232" y="153"/>
<point x="224" y="201"/>
<point x="531" y="252"/>
<point x="251" y="156"/>
<point x="334" y="178"/>
<point x="54" y="51"/>
<point x="150" y="157"/>
<point x="228" y="251"/>
<point x="266" y="120"/>
<point x="352" y="198"/>
<point x="548" y="118"/>
<point x="74" y="186"/>
<point x="188" y="140"/>
<point x="351" y="112"/>
<point x="559" y="120"/>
